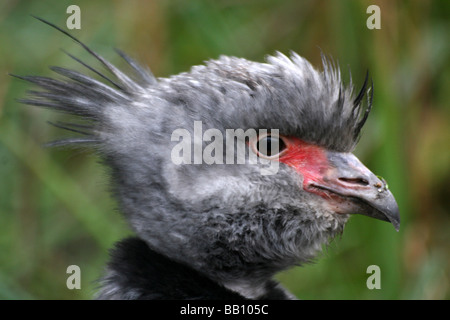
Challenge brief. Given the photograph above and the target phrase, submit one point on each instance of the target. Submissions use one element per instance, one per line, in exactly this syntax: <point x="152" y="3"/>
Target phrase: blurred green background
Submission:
<point x="55" y="209"/>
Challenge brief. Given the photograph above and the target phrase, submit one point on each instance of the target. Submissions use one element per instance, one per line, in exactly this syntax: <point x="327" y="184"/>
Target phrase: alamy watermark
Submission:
<point x="374" y="280"/>
<point x="74" y="280"/>
<point x="238" y="147"/>
<point x="74" y="20"/>
<point x="374" y="20"/>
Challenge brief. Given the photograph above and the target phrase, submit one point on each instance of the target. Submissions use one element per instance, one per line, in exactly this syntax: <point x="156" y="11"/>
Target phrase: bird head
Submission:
<point x="227" y="219"/>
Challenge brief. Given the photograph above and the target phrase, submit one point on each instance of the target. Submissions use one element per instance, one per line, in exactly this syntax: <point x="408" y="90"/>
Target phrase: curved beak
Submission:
<point x="359" y="190"/>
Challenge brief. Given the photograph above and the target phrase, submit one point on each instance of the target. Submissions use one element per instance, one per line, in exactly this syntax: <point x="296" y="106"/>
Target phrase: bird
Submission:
<point x="220" y="230"/>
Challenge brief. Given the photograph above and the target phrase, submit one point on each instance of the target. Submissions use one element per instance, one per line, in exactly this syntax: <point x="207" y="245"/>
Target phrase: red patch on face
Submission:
<point x="307" y="159"/>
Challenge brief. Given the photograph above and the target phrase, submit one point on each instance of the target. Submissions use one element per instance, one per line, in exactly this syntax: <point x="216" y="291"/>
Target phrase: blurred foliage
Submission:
<point x="54" y="206"/>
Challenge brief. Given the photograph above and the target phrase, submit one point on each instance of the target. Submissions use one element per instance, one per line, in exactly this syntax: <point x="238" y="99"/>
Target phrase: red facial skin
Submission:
<point x="307" y="159"/>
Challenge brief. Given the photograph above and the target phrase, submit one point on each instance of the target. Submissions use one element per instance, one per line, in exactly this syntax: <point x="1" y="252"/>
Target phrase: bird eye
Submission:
<point x="269" y="146"/>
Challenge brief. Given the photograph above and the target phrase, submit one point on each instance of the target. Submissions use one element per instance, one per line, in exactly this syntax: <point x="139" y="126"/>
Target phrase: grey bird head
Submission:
<point x="228" y="221"/>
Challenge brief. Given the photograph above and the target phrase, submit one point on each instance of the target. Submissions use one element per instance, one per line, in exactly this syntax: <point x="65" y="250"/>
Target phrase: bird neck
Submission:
<point x="259" y="289"/>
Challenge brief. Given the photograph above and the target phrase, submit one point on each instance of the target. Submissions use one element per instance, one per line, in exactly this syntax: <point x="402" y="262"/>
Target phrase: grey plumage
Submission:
<point x="226" y="221"/>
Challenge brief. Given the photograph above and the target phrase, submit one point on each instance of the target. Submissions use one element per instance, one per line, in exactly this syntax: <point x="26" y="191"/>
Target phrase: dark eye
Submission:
<point x="269" y="146"/>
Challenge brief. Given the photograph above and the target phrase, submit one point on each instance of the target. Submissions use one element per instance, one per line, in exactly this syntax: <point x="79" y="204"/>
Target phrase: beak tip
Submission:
<point x="391" y="212"/>
<point x="396" y="225"/>
<point x="396" y="222"/>
<point x="385" y="209"/>
<point x="393" y="216"/>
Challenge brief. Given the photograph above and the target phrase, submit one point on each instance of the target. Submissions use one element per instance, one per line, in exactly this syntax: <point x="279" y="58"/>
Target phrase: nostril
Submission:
<point x="359" y="181"/>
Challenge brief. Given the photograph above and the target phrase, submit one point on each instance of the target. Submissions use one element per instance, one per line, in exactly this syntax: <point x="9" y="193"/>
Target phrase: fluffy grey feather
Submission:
<point x="226" y="221"/>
